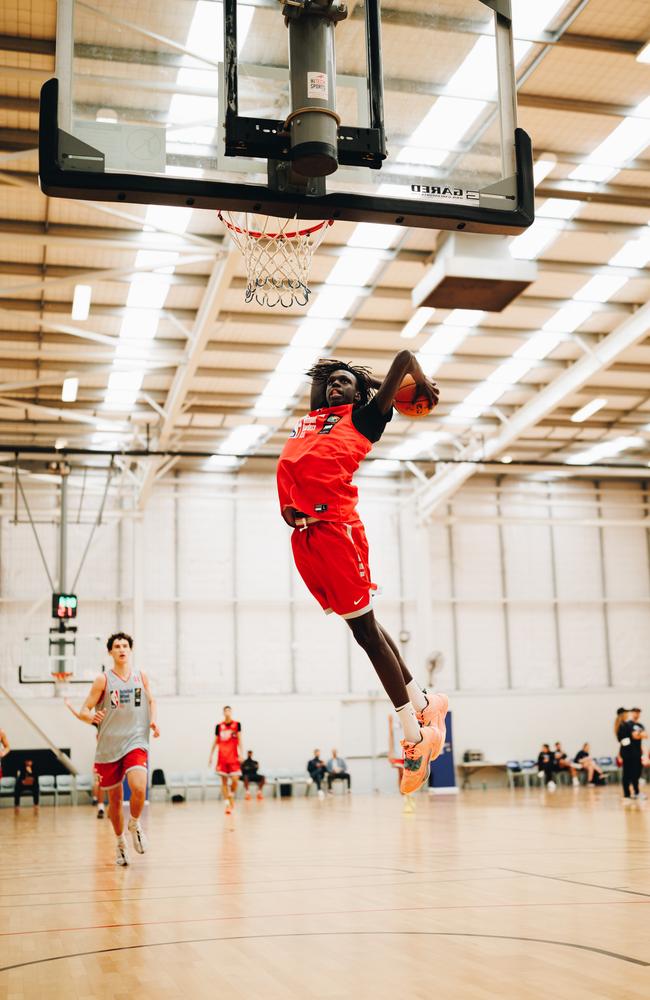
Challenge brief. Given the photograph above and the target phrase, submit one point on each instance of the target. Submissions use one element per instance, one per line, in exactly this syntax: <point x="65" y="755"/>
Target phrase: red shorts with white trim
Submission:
<point x="228" y="765"/>
<point x="111" y="775"/>
<point x="332" y="559"/>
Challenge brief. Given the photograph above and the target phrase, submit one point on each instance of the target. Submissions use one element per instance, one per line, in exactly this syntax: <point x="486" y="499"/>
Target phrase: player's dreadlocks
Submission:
<point x="321" y="371"/>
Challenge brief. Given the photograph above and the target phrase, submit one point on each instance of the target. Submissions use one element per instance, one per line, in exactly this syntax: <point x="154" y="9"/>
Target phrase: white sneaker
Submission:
<point x="321" y="793"/>
<point x="551" y="786"/>
<point x="575" y="781"/>
<point x="121" y="853"/>
<point x="137" y="836"/>
<point x="100" y="811"/>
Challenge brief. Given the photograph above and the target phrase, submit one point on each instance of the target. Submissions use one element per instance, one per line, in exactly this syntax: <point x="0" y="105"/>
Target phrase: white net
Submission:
<point x="278" y="255"/>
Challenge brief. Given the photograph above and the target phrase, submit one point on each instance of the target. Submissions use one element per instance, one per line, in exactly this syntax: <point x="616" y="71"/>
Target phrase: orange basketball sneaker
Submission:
<point x="434" y="716"/>
<point x="417" y="757"/>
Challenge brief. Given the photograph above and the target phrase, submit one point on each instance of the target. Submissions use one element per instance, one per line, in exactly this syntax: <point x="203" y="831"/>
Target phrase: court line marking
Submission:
<point x="228" y="895"/>
<point x="310" y="913"/>
<point x="316" y="934"/>
<point x="572" y="881"/>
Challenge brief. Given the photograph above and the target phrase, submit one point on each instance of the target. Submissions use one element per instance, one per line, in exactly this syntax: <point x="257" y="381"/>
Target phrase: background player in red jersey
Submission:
<point x="330" y="549"/>
<point x="226" y="742"/>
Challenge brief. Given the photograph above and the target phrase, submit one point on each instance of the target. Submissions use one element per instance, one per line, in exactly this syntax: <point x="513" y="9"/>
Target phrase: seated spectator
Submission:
<point x="317" y="769"/>
<point x="546" y="766"/>
<point x="585" y="761"/>
<point x="561" y="762"/>
<point x="337" y="770"/>
<point x="26" y="783"/>
<point x="250" y="772"/>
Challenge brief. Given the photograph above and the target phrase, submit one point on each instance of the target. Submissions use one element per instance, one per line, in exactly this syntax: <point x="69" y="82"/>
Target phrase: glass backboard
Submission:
<point x="138" y="111"/>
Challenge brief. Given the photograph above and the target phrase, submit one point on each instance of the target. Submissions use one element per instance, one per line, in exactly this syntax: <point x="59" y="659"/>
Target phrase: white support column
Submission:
<point x="138" y="580"/>
<point x="445" y="483"/>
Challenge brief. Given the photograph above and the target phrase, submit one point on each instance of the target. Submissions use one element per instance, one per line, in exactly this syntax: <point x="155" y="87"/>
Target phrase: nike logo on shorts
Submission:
<point x="358" y="602"/>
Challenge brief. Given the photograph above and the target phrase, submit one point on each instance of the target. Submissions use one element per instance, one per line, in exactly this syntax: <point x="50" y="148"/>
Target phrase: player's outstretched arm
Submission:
<point x="153" y="707"/>
<point x="70" y="707"/>
<point x="88" y="713"/>
<point x="4" y="744"/>
<point x="404" y="363"/>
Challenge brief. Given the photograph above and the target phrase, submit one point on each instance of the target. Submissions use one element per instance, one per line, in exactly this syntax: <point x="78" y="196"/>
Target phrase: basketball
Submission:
<point x="407" y="403"/>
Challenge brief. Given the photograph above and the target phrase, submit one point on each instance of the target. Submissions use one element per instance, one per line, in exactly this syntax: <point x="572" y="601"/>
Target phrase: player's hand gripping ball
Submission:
<point x="415" y="401"/>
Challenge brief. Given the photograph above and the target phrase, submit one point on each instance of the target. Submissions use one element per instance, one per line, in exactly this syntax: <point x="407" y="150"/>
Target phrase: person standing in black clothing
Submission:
<point x="546" y="766"/>
<point x="631" y="734"/>
<point x="317" y="769"/>
<point x="26" y="783"/>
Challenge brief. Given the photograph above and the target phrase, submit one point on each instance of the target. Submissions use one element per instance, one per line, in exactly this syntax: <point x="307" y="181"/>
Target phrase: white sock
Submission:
<point x="409" y="722"/>
<point x="132" y="822"/>
<point x="121" y="838"/>
<point x="417" y="696"/>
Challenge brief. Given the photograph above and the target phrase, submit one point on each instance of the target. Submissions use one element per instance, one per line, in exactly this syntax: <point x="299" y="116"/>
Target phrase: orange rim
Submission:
<point x="275" y="236"/>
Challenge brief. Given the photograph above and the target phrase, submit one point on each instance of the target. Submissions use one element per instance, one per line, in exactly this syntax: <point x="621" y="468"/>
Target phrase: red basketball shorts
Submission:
<point x="227" y="764"/>
<point x="332" y="559"/>
<point x="110" y="775"/>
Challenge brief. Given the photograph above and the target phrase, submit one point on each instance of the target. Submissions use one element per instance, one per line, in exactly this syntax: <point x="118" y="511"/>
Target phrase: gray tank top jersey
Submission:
<point x="125" y="726"/>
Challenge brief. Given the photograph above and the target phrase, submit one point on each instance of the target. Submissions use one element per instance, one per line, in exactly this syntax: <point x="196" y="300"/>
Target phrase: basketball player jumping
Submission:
<point x="330" y="549"/>
<point x="227" y="736"/>
<point x="120" y="701"/>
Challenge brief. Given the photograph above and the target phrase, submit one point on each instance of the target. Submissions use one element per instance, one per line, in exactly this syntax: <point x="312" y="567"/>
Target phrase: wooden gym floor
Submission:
<point x="488" y="894"/>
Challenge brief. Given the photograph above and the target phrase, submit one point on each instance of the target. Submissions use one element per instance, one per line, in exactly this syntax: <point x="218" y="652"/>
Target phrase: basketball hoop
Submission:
<point x="278" y="254"/>
<point x="61" y="678"/>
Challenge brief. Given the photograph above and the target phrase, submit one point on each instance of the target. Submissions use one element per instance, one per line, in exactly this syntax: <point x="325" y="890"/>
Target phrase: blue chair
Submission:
<point x="515" y="773"/>
<point x="7" y="786"/>
<point x="211" y="780"/>
<point x="65" y="786"/>
<point x="84" y="783"/>
<point x="530" y="771"/>
<point x="47" y="786"/>
<point x="177" y="784"/>
<point x="194" y="779"/>
<point x="609" y="767"/>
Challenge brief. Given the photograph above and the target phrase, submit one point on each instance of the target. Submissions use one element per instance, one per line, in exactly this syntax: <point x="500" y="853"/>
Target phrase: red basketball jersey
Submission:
<point x="226" y="733"/>
<point x="317" y="464"/>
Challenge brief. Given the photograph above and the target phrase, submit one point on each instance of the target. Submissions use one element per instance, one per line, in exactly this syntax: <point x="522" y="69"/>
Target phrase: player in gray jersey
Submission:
<point x="120" y="703"/>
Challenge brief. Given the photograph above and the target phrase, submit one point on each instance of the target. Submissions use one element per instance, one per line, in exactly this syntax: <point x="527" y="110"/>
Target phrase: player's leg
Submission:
<point x="115" y="812"/>
<point x="116" y="816"/>
<point x="419" y="742"/>
<point x="332" y="559"/>
<point x="626" y="777"/>
<point x="137" y="780"/>
<point x="98" y="795"/>
<point x="261" y="781"/>
<point x="225" y="791"/>
<point x="234" y="781"/>
<point x="247" y="782"/>
<point x="430" y="709"/>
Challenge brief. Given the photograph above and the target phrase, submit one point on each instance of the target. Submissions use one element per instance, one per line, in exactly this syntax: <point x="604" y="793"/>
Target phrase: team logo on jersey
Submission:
<point x="137" y="695"/>
<point x="307" y="425"/>
<point x="329" y="423"/>
<point x="115" y="699"/>
<point x="125" y="697"/>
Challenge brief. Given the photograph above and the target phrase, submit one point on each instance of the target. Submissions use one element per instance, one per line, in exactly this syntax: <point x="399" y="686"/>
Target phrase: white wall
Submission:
<point x="537" y="594"/>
